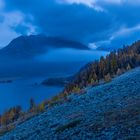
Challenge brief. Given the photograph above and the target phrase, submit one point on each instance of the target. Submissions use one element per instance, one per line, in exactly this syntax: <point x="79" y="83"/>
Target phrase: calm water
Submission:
<point x="20" y="91"/>
<point x="57" y="63"/>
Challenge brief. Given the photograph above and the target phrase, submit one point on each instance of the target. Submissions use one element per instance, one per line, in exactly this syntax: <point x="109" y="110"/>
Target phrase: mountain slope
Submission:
<point x="115" y="63"/>
<point x="27" y="46"/>
<point x="109" y="111"/>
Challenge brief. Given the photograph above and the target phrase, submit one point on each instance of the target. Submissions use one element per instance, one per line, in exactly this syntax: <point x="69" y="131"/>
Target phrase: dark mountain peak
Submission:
<point x="43" y="40"/>
<point x="35" y="44"/>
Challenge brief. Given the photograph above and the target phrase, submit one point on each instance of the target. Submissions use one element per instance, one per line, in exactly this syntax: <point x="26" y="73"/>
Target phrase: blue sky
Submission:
<point x="94" y="22"/>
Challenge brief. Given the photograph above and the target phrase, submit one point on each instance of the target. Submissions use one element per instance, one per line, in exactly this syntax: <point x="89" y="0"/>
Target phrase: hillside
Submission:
<point x="109" y="111"/>
<point x="103" y="70"/>
<point x="28" y="46"/>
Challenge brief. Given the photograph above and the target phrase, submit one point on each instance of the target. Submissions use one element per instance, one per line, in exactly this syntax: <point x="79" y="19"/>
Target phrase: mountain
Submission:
<point x="39" y="53"/>
<point x="28" y="46"/>
<point x="109" y="111"/>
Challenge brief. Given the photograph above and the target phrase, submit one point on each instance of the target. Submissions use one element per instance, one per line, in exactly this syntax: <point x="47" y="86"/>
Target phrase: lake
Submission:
<point x="27" y="83"/>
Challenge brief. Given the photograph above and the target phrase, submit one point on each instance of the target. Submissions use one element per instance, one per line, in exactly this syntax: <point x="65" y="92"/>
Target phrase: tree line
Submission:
<point x="115" y="63"/>
<point x="15" y="113"/>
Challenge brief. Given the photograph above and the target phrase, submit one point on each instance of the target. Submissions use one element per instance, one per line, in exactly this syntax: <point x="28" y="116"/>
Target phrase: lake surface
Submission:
<point x="20" y="91"/>
<point x="59" y="63"/>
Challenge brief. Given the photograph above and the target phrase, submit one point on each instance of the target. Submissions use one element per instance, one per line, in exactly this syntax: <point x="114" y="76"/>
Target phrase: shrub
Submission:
<point x="107" y="78"/>
<point x="68" y="126"/>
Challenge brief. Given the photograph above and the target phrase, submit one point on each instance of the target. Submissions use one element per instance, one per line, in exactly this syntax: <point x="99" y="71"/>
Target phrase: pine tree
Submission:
<point x="32" y="105"/>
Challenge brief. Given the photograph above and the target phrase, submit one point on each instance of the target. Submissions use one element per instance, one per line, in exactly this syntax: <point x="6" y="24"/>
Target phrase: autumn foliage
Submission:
<point x="115" y="63"/>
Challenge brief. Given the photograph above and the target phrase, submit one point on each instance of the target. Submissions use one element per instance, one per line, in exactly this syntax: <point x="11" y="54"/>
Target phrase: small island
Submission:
<point x="58" y="81"/>
<point x="5" y="81"/>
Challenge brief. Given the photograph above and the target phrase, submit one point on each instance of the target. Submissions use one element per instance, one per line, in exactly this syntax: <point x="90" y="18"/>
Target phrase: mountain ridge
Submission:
<point x="28" y="46"/>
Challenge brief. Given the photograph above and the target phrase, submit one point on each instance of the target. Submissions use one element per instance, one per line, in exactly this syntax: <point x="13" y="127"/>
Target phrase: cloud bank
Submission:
<point x="102" y="23"/>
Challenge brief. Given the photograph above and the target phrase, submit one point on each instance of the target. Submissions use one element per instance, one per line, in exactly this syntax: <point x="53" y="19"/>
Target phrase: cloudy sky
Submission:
<point x="95" y="22"/>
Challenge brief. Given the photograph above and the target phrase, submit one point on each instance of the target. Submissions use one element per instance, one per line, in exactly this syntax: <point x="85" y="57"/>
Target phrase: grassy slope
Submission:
<point x="110" y="111"/>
